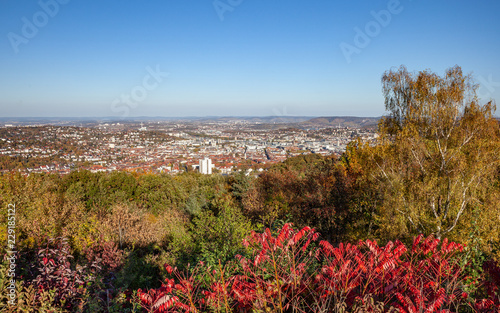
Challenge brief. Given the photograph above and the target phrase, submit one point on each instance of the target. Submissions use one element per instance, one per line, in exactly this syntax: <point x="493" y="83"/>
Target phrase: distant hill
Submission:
<point x="270" y="121"/>
<point x="342" y="121"/>
<point x="258" y="119"/>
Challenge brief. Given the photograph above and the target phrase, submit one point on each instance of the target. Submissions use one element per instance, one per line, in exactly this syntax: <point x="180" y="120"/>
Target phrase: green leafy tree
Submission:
<point x="218" y="232"/>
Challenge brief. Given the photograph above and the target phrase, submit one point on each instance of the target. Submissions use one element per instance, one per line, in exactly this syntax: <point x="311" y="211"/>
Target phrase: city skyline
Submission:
<point x="232" y="58"/>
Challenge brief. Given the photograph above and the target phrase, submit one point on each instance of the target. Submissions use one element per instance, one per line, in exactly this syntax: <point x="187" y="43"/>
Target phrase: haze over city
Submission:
<point x="232" y="58"/>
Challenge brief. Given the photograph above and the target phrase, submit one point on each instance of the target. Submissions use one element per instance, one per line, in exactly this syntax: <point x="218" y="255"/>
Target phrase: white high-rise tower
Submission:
<point x="206" y="166"/>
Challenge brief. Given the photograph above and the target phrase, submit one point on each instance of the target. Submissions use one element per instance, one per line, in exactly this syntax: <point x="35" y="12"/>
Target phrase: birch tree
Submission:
<point x="439" y="151"/>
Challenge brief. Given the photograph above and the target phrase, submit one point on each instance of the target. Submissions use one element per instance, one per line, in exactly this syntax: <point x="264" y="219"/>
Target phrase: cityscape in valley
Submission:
<point x="174" y="146"/>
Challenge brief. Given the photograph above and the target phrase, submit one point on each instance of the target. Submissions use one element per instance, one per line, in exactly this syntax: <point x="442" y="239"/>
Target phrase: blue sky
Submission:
<point x="246" y="58"/>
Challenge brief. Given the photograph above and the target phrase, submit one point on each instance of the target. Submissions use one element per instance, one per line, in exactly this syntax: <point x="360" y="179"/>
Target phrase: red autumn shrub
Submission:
<point x="292" y="272"/>
<point x="105" y="255"/>
<point x="278" y="275"/>
<point x="56" y="274"/>
<point x="184" y="296"/>
<point x="491" y="285"/>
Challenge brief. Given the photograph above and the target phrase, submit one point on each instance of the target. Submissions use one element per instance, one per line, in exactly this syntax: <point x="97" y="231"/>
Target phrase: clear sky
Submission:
<point x="232" y="57"/>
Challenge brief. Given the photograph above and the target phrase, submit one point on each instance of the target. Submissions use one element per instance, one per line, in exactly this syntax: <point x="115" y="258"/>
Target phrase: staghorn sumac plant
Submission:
<point x="184" y="292"/>
<point x="201" y="289"/>
<point x="277" y="275"/>
<point x="353" y="271"/>
<point x="291" y="272"/>
<point x="426" y="277"/>
<point x="431" y="277"/>
<point x="273" y="278"/>
<point x="159" y="300"/>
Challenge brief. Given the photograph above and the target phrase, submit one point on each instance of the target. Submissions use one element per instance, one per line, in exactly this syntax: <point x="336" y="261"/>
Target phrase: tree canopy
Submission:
<point x="439" y="152"/>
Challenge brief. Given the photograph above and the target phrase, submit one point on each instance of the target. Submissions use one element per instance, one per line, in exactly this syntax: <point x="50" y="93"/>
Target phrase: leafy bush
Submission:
<point x="106" y="255"/>
<point x="491" y="285"/>
<point x="218" y="233"/>
<point x="56" y="276"/>
<point x="290" y="272"/>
